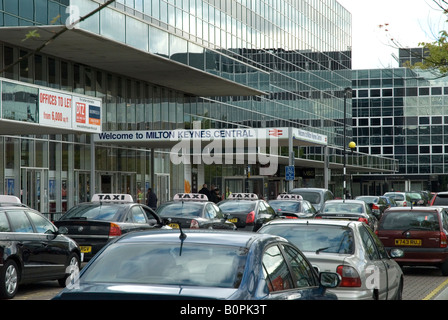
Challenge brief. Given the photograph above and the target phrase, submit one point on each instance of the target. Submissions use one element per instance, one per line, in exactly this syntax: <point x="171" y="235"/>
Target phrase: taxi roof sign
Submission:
<point x="289" y="197"/>
<point x="190" y="197"/>
<point x="112" y="197"/>
<point x="9" y="199"/>
<point x="243" y="196"/>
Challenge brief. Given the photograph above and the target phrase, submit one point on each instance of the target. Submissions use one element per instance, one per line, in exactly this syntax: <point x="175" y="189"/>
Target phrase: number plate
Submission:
<point x="408" y="242"/>
<point x="86" y="249"/>
<point x="234" y="220"/>
<point x="174" y="225"/>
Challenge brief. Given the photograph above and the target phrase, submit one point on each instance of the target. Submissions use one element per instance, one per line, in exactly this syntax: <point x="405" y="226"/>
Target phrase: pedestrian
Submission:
<point x="205" y="191"/>
<point x="151" y="199"/>
<point x="218" y="196"/>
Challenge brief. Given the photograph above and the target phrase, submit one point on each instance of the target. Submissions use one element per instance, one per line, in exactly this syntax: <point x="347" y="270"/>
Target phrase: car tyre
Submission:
<point x="9" y="280"/>
<point x="399" y="295"/>
<point x="73" y="262"/>
<point x="444" y="268"/>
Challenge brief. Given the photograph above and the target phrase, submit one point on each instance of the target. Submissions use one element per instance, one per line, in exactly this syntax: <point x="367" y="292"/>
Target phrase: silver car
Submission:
<point x="349" y="248"/>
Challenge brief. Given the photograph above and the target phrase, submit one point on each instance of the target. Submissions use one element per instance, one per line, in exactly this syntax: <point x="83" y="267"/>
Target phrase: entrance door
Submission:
<point x="232" y="186"/>
<point x="33" y="190"/>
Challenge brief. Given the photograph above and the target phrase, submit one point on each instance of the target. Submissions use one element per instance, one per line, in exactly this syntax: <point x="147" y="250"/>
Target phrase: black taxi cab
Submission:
<point x="247" y="211"/>
<point x="194" y="211"/>
<point x="292" y="206"/>
<point x="107" y="216"/>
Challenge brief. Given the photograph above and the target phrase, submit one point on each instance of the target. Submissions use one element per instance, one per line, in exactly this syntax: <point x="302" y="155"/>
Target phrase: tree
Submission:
<point x="435" y="54"/>
<point x="35" y="34"/>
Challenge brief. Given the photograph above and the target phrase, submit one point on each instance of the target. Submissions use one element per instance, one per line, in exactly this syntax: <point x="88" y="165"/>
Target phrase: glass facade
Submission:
<point x="401" y="114"/>
<point x="297" y="52"/>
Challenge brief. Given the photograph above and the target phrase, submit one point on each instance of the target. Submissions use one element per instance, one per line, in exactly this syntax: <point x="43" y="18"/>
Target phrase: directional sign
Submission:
<point x="289" y="173"/>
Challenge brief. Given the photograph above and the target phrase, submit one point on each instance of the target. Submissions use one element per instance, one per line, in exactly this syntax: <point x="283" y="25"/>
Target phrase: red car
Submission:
<point x="420" y="232"/>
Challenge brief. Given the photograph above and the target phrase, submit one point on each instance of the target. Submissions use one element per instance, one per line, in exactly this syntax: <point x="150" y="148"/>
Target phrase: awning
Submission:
<point x="99" y="52"/>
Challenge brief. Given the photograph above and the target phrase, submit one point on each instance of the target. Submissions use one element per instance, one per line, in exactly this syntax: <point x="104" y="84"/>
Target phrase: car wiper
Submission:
<point x="322" y="249"/>
<point x="415" y="228"/>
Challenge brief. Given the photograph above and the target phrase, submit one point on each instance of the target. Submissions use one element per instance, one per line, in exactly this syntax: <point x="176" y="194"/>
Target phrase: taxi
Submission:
<point x="292" y="206"/>
<point x="194" y="211"/>
<point x="107" y="216"/>
<point x="247" y="211"/>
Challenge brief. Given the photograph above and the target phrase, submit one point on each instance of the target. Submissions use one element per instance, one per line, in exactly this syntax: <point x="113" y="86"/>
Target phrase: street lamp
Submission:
<point x="347" y="91"/>
<point x="352" y="146"/>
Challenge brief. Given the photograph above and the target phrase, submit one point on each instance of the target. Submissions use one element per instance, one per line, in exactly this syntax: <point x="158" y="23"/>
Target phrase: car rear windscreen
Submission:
<point x="411" y="220"/>
<point x="441" y="199"/>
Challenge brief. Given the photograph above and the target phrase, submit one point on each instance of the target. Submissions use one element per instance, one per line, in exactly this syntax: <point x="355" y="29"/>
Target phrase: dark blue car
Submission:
<point x="199" y="264"/>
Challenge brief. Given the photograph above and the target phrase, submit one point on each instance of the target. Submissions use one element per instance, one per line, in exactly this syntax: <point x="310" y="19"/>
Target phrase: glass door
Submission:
<point x="34" y="192"/>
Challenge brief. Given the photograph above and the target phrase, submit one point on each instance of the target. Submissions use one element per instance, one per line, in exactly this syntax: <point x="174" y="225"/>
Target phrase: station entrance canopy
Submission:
<point x="242" y="137"/>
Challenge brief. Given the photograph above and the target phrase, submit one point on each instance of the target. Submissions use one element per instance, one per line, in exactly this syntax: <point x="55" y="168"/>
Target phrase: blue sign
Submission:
<point x="289" y="173"/>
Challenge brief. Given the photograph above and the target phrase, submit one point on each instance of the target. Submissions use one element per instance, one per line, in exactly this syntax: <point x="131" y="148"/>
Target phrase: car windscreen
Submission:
<point x="441" y="199"/>
<point x="395" y="196"/>
<point x="181" y="208"/>
<point x="410" y="220"/>
<point x="311" y="237"/>
<point x="313" y="197"/>
<point x="237" y="206"/>
<point x="104" y="212"/>
<point x="290" y="206"/>
<point x="368" y="199"/>
<point x="163" y="263"/>
<point x="339" y="207"/>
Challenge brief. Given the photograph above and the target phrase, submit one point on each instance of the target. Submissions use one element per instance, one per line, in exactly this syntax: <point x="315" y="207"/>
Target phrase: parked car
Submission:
<point x="421" y="232"/>
<point x="247" y="211"/>
<point x="354" y="210"/>
<point x="406" y="199"/>
<point x="377" y="204"/>
<point x="292" y="206"/>
<point x="194" y="211"/>
<point x="200" y="264"/>
<point x="32" y="250"/>
<point x="439" y="199"/>
<point x="349" y="248"/>
<point x="317" y="196"/>
<point x="107" y="216"/>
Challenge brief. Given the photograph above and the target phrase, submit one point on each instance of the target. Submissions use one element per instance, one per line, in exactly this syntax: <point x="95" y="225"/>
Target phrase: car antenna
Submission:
<point x="182" y="237"/>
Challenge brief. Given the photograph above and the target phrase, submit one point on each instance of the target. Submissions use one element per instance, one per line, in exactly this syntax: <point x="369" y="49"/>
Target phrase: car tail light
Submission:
<point x="405" y="204"/>
<point x="114" y="230"/>
<point x="317" y="217"/>
<point x="363" y="220"/>
<point x="349" y="276"/>
<point x="375" y="207"/>
<point x="291" y="217"/>
<point x="250" y="217"/>
<point x="194" y="224"/>
<point x="443" y="240"/>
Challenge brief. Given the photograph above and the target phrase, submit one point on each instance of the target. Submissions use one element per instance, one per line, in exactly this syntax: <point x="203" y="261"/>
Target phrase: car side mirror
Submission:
<point x="329" y="279"/>
<point x="62" y="230"/>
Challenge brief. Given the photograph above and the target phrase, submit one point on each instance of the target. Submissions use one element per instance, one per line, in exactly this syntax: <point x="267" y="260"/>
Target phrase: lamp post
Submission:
<point x="352" y="146"/>
<point x="347" y="91"/>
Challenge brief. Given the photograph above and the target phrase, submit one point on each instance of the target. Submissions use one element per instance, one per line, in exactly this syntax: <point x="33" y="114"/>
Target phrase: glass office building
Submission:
<point x="165" y="65"/>
<point x="401" y="113"/>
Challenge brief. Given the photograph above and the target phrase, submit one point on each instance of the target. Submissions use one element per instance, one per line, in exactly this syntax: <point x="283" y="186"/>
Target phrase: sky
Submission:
<point x="408" y="22"/>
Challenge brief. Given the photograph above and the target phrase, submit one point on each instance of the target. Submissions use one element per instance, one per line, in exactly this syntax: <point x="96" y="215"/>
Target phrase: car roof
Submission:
<point x="313" y="221"/>
<point x="416" y="208"/>
<point x="346" y="200"/>
<point x="203" y="236"/>
<point x="309" y="189"/>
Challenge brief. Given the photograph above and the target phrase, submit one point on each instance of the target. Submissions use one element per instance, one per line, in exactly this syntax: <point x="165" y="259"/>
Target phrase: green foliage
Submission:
<point x="435" y="57"/>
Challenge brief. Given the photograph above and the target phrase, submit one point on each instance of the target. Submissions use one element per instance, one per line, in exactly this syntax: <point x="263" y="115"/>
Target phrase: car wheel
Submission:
<point x="444" y="268"/>
<point x="399" y="294"/>
<point x="9" y="280"/>
<point x="73" y="265"/>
